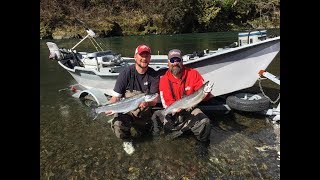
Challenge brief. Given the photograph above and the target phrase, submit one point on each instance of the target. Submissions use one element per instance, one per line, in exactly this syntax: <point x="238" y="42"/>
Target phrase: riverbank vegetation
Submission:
<point x="60" y="18"/>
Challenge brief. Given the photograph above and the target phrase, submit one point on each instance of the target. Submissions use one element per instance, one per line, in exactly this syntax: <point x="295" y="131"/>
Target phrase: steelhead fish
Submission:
<point x="190" y="100"/>
<point x="127" y="104"/>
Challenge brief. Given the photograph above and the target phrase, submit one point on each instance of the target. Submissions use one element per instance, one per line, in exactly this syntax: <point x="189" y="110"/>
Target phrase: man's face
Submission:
<point x="175" y="65"/>
<point x="142" y="59"/>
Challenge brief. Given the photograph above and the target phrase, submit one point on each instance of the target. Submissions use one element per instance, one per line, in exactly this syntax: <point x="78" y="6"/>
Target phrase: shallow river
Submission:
<point x="74" y="146"/>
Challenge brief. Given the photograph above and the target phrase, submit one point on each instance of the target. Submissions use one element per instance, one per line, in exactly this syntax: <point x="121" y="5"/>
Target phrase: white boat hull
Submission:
<point x="229" y="69"/>
<point x="89" y="78"/>
<point x="237" y="68"/>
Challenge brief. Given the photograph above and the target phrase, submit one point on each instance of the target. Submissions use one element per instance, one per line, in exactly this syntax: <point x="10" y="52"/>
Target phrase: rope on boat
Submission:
<point x="93" y="44"/>
<point x="100" y="43"/>
<point x="97" y="43"/>
<point x="260" y="86"/>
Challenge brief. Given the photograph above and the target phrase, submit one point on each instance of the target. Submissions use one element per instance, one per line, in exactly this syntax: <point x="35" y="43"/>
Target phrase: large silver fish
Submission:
<point x="190" y="100"/>
<point x="127" y="104"/>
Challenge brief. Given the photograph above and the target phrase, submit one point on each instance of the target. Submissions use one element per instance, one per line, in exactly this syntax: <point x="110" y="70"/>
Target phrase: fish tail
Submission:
<point x="94" y="113"/>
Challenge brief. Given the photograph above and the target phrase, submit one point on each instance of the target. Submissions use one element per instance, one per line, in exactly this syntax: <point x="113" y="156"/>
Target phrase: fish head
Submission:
<point x="150" y="97"/>
<point x="208" y="87"/>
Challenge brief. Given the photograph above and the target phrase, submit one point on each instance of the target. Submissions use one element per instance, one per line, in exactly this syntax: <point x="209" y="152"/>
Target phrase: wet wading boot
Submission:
<point x="128" y="147"/>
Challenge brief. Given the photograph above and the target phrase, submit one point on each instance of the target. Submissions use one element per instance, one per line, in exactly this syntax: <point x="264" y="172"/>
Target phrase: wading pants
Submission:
<point x="132" y="124"/>
<point x="194" y="120"/>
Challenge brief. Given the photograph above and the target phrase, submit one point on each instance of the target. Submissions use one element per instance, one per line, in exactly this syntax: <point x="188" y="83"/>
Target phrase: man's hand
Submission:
<point x="208" y="88"/>
<point x="176" y="111"/>
<point x="114" y="99"/>
<point x="109" y="113"/>
<point x="143" y="105"/>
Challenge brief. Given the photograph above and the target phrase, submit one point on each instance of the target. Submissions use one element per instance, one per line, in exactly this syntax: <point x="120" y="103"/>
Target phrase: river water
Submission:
<point x="74" y="146"/>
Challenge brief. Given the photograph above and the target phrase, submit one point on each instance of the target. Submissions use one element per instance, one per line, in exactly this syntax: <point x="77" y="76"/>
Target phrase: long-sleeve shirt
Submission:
<point x="190" y="82"/>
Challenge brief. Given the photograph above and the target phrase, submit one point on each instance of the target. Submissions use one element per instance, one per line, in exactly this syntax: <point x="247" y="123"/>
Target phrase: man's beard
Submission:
<point x="175" y="71"/>
<point x="139" y="64"/>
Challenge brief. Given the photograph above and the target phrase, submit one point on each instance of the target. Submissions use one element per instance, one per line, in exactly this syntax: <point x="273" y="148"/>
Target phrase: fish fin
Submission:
<point x="110" y="121"/>
<point x="125" y="112"/>
<point x="95" y="117"/>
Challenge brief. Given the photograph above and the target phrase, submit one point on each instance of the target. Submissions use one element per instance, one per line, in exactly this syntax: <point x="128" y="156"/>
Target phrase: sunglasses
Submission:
<point x="172" y="60"/>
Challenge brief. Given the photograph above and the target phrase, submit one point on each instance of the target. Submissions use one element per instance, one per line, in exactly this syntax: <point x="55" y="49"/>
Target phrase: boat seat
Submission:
<point x="106" y="58"/>
<point x="99" y="54"/>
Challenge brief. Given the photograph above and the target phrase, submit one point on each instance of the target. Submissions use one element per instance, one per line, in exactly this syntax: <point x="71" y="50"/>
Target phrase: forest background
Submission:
<point x="60" y="18"/>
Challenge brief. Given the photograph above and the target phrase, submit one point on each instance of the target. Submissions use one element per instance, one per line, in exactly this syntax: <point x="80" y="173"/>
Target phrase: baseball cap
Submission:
<point x="142" y="48"/>
<point x="174" y="53"/>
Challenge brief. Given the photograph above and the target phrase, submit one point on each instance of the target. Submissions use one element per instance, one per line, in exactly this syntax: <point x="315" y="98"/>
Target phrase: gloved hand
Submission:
<point x="168" y="127"/>
<point x="208" y="88"/>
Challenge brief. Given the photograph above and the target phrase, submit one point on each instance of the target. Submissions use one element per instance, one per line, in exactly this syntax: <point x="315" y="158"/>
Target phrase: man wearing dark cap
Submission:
<point x="179" y="81"/>
<point x="135" y="79"/>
